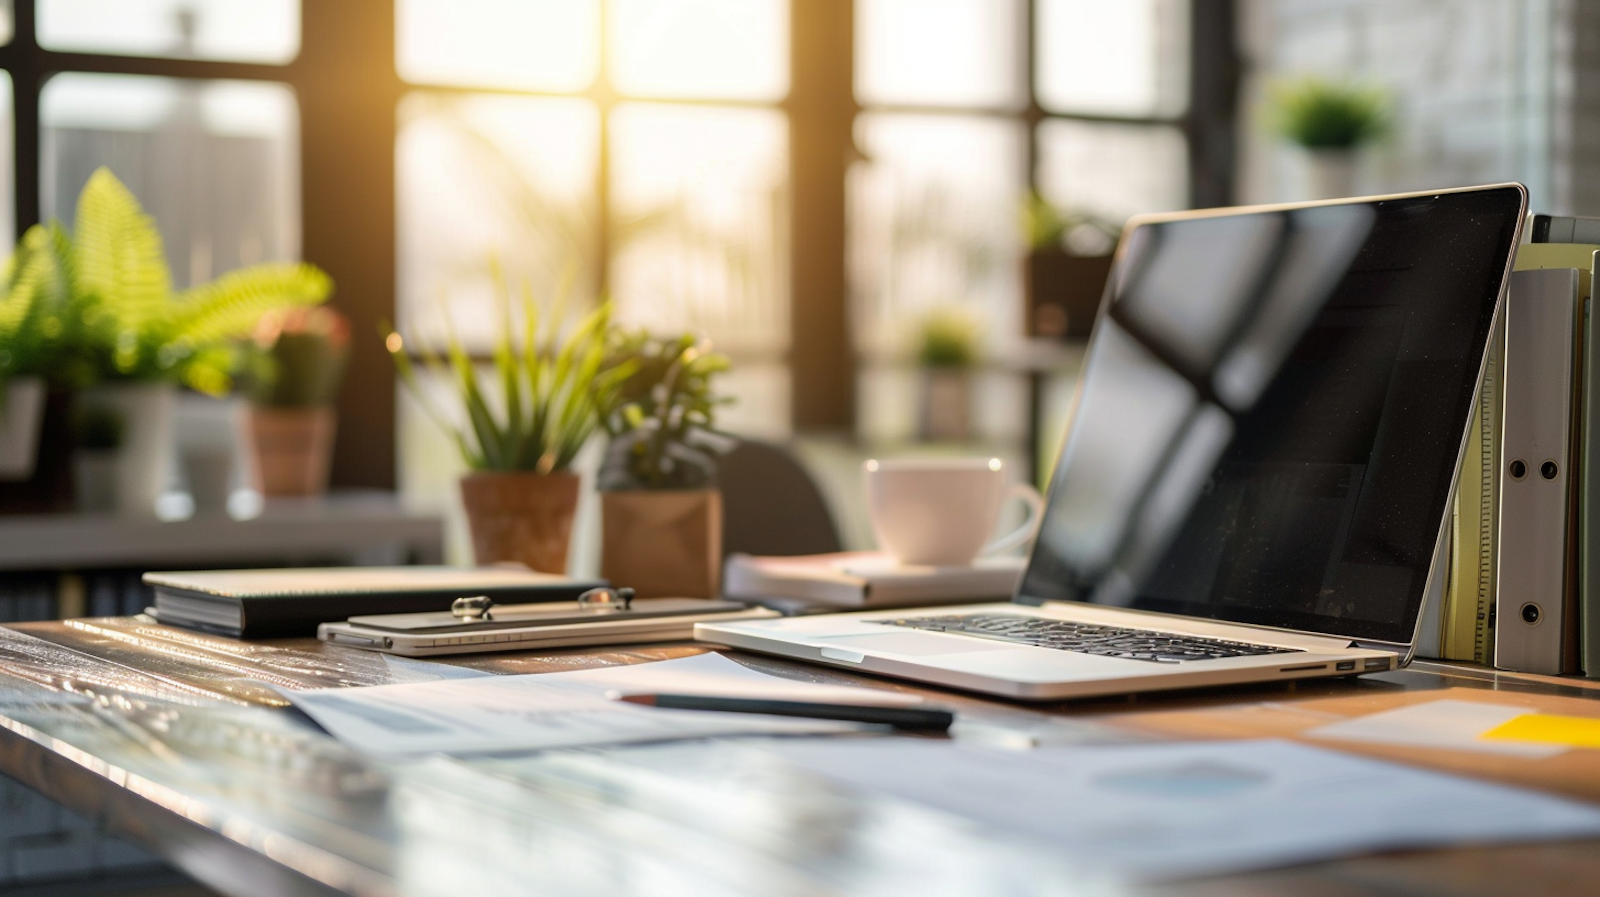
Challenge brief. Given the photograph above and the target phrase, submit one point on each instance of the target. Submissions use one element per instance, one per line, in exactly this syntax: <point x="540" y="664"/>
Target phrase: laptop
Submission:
<point x="1256" y="481"/>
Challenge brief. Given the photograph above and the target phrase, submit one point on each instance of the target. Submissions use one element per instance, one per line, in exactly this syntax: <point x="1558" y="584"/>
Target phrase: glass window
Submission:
<point x="481" y="178"/>
<point x="217" y="163"/>
<point x="234" y="30"/>
<point x="939" y="52"/>
<point x="698" y="221"/>
<point x="7" y="25"/>
<point x="1113" y="170"/>
<point x="546" y="45"/>
<point x="933" y="222"/>
<point x="1130" y="57"/>
<point x="712" y="49"/>
<point x="8" y="206"/>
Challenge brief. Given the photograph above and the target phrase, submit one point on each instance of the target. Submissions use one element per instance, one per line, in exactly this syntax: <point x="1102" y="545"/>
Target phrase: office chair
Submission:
<point x="771" y="505"/>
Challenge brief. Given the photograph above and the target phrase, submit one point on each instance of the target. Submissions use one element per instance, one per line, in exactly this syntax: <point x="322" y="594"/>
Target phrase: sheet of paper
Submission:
<point x="1550" y="729"/>
<point x="1165" y="811"/>
<point x="501" y="714"/>
<point x="1456" y="725"/>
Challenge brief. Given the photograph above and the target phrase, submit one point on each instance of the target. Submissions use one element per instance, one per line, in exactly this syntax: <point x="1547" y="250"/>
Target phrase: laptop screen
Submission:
<point x="1271" y="411"/>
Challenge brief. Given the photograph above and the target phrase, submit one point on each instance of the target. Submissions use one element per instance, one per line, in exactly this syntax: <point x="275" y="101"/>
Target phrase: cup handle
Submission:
<point x="1029" y="528"/>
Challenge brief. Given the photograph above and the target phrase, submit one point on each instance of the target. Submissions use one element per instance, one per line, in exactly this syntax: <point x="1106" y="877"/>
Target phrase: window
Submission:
<point x="681" y="156"/>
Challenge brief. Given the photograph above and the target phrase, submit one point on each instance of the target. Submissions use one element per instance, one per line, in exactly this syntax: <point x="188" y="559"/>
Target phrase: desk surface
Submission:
<point x="173" y="740"/>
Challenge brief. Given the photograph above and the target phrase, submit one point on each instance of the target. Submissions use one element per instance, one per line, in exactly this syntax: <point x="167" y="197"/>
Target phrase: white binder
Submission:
<point x="1535" y="600"/>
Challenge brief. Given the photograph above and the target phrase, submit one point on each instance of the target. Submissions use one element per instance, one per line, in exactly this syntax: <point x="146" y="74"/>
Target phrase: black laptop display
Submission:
<point x="1265" y="407"/>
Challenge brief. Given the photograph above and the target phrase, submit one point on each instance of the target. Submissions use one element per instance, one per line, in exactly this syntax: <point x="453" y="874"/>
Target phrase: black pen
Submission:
<point x="919" y="719"/>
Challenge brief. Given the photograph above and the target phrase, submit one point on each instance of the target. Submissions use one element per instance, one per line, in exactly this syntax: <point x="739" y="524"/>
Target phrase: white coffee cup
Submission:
<point x="941" y="511"/>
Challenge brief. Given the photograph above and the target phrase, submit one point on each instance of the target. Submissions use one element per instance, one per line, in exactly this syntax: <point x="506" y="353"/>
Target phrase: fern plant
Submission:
<point x="539" y="400"/>
<point x="34" y="323"/>
<point x="132" y="325"/>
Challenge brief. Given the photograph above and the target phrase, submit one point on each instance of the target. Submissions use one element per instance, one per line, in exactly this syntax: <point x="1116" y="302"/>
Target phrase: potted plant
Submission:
<point x="1064" y="273"/>
<point x="661" y="514"/>
<point x="947" y="349"/>
<point x="1329" y="120"/>
<point x="33" y="331"/>
<point x="521" y="423"/>
<point x="301" y="359"/>
<point x="137" y="339"/>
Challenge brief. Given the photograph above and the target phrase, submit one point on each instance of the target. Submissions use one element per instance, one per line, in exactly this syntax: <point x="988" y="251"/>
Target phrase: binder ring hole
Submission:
<point x="1518" y="470"/>
<point x="1530" y="614"/>
<point x="1548" y="470"/>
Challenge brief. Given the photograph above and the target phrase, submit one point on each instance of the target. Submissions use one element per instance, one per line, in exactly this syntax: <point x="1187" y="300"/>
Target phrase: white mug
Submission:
<point x="940" y="511"/>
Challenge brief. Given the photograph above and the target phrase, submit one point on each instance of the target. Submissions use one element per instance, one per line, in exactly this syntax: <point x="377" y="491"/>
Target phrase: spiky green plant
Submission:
<point x="663" y="429"/>
<point x="133" y="326"/>
<point x="1318" y="113"/>
<point x="539" y="399"/>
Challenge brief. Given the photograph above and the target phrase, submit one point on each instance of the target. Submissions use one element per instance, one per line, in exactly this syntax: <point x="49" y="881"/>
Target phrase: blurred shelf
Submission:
<point x="357" y="527"/>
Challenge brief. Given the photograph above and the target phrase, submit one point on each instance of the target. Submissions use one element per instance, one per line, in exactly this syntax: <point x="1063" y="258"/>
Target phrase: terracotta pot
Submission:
<point x="294" y="447"/>
<point x="524" y="517"/>
<point x="662" y="542"/>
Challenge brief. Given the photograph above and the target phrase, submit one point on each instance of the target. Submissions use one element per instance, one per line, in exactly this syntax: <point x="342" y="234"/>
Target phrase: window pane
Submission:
<point x="734" y="49"/>
<point x="217" y="163"/>
<point x="700" y="235"/>
<point x="237" y="30"/>
<point x="8" y="205"/>
<point x="933" y="223"/>
<point x="486" y="178"/>
<point x="939" y="52"/>
<point x="551" y="45"/>
<point x="1113" y="170"/>
<point x="7" y="26"/>
<point x="1129" y="58"/>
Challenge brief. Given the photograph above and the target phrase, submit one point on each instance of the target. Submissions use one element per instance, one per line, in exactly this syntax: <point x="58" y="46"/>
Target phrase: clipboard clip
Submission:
<point x="473" y="607"/>
<point x="606" y="599"/>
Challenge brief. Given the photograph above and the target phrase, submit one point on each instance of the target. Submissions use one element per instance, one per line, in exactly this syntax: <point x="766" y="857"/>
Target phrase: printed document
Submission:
<point x="1164" y="811"/>
<point x="502" y="714"/>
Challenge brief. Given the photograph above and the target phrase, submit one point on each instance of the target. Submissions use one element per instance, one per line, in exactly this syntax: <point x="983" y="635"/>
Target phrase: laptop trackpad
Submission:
<point x="916" y="643"/>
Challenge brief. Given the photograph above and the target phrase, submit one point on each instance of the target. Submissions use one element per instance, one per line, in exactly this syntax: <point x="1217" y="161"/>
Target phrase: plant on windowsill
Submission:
<point x="33" y="334"/>
<point x="521" y="423"/>
<point x="1064" y="274"/>
<point x="948" y="346"/>
<point x="133" y="339"/>
<point x="661" y="512"/>
<point x="1330" y="121"/>
<point x="300" y="361"/>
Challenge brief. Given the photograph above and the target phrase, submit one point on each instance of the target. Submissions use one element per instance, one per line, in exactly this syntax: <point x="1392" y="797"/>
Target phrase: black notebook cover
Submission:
<point x="291" y="602"/>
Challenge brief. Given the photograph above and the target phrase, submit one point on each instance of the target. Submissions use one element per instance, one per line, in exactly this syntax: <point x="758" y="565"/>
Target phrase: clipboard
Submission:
<point x="475" y="625"/>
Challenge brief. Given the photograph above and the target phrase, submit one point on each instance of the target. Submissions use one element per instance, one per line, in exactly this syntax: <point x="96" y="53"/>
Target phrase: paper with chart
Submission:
<point x="1164" y="811"/>
<point x="502" y="714"/>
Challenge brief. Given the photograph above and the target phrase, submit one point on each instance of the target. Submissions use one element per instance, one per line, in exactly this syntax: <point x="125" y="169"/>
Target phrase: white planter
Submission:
<point x="147" y="478"/>
<point x="21" y="410"/>
<point x="218" y="455"/>
<point x="1329" y="173"/>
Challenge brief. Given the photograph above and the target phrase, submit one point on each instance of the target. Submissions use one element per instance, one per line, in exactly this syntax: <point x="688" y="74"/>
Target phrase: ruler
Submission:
<point x="1488" y="495"/>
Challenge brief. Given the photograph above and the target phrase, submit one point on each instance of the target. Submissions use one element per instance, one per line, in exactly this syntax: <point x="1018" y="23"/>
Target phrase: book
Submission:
<point x="1536" y="561"/>
<point x="865" y="579"/>
<point x="293" y="601"/>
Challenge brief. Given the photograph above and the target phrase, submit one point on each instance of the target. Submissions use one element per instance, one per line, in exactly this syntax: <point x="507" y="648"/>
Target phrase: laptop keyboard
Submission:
<point x="1088" y="638"/>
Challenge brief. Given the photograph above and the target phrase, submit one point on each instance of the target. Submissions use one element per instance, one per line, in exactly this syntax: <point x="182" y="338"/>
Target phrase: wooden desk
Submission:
<point x="172" y="740"/>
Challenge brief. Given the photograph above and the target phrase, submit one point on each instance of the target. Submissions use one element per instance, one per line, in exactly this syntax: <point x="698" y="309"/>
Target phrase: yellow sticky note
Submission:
<point x="1572" y="731"/>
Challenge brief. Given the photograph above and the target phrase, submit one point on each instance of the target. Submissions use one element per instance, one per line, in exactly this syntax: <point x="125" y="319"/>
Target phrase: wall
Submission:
<point x="1483" y="91"/>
